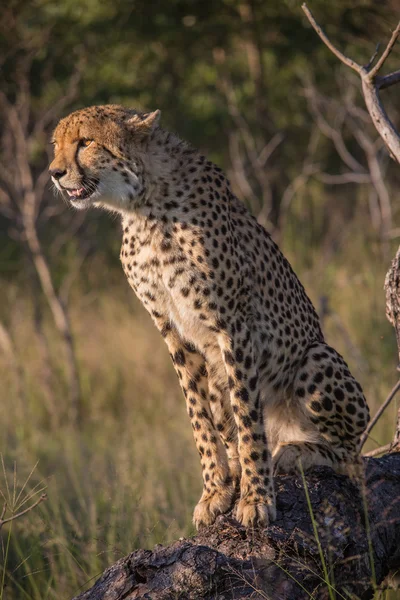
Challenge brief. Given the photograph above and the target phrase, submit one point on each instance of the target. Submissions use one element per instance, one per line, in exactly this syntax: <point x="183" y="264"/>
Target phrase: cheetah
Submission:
<point x="263" y="389"/>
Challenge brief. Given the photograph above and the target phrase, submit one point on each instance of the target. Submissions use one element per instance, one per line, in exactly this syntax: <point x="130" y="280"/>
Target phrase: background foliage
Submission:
<point x="250" y="84"/>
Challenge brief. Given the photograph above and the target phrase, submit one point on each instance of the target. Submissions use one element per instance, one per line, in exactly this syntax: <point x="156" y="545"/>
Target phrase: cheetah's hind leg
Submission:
<point x="332" y="409"/>
<point x="292" y="457"/>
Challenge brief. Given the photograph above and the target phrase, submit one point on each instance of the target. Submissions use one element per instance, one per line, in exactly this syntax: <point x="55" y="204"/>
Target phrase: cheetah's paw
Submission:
<point x="210" y="506"/>
<point x="251" y="514"/>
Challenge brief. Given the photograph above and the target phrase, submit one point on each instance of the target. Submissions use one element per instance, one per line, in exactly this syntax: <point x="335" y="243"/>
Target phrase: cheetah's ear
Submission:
<point x="143" y="125"/>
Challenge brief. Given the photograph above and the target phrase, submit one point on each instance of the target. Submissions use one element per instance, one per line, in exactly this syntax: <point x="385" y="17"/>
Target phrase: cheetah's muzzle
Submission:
<point x="80" y="196"/>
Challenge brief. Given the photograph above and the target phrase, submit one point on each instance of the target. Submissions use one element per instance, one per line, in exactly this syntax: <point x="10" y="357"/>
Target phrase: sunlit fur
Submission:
<point x="122" y="137"/>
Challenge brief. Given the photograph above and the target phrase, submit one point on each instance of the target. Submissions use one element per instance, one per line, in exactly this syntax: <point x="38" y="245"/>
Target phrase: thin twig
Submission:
<point x="373" y="57"/>
<point x="378" y="415"/>
<point x="315" y="100"/>
<point x="345" y="59"/>
<point x="270" y="148"/>
<point x="342" y="178"/>
<point x="386" y="52"/>
<point x="377" y="451"/>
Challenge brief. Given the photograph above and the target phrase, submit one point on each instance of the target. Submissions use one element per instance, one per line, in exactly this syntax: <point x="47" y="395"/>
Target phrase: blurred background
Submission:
<point x="90" y="405"/>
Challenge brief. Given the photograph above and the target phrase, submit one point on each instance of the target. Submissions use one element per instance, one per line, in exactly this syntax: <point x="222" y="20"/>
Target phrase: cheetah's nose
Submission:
<point x="57" y="173"/>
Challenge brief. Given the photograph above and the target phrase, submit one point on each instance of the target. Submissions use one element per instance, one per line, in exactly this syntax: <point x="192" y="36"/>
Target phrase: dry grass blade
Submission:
<point x="26" y="481"/>
<point x="13" y="500"/>
<point x="23" y="512"/>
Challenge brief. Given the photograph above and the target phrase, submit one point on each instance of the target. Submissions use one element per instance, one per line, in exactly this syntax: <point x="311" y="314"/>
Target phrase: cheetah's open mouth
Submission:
<point x="81" y="193"/>
<point x="78" y="195"/>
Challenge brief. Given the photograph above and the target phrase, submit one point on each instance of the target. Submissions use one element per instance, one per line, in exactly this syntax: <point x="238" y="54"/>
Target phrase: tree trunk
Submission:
<point x="392" y="289"/>
<point x="283" y="562"/>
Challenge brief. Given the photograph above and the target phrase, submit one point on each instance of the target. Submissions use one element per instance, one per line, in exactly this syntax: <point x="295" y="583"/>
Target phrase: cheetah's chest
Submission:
<point x="158" y="279"/>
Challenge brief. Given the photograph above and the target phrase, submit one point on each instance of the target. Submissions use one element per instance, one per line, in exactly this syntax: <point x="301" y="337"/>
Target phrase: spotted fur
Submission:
<point x="262" y="387"/>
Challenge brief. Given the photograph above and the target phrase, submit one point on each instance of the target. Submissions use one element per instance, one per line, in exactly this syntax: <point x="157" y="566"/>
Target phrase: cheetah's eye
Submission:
<point x="85" y="143"/>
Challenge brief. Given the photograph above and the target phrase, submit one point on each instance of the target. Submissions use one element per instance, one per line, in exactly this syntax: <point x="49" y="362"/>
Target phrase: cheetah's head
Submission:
<point x="100" y="156"/>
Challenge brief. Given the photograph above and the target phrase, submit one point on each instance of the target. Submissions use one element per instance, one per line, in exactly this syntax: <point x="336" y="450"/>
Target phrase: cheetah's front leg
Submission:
<point x="218" y="484"/>
<point x="257" y="497"/>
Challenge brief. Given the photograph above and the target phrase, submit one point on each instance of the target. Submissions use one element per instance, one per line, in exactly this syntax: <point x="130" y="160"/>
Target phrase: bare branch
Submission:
<point x="6" y="205"/>
<point x="354" y="119"/>
<point x="342" y="178"/>
<point x="72" y="274"/>
<point x="379" y="413"/>
<point x="255" y="160"/>
<point x="380" y="119"/>
<point x="344" y="59"/>
<point x="21" y="146"/>
<point x="373" y="57"/>
<point x="65" y="99"/>
<point x="377" y="178"/>
<point x="6" y="177"/>
<point x="23" y="94"/>
<point x="375" y="209"/>
<point x="377" y="451"/>
<point x="334" y="133"/>
<point x="387" y="80"/>
<point x="385" y="53"/>
<point x="308" y="169"/>
<point x="294" y="186"/>
<point x="370" y="87"/>
<point x="51" y="211"/>
<point x="42" y="181"/>
<point x="239" y="171"/>
<point x="357" y="112"/>
<point x="270" y="148"/>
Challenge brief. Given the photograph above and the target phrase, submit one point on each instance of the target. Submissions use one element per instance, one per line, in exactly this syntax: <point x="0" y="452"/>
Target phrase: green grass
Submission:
<point x="129" y="476"/>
